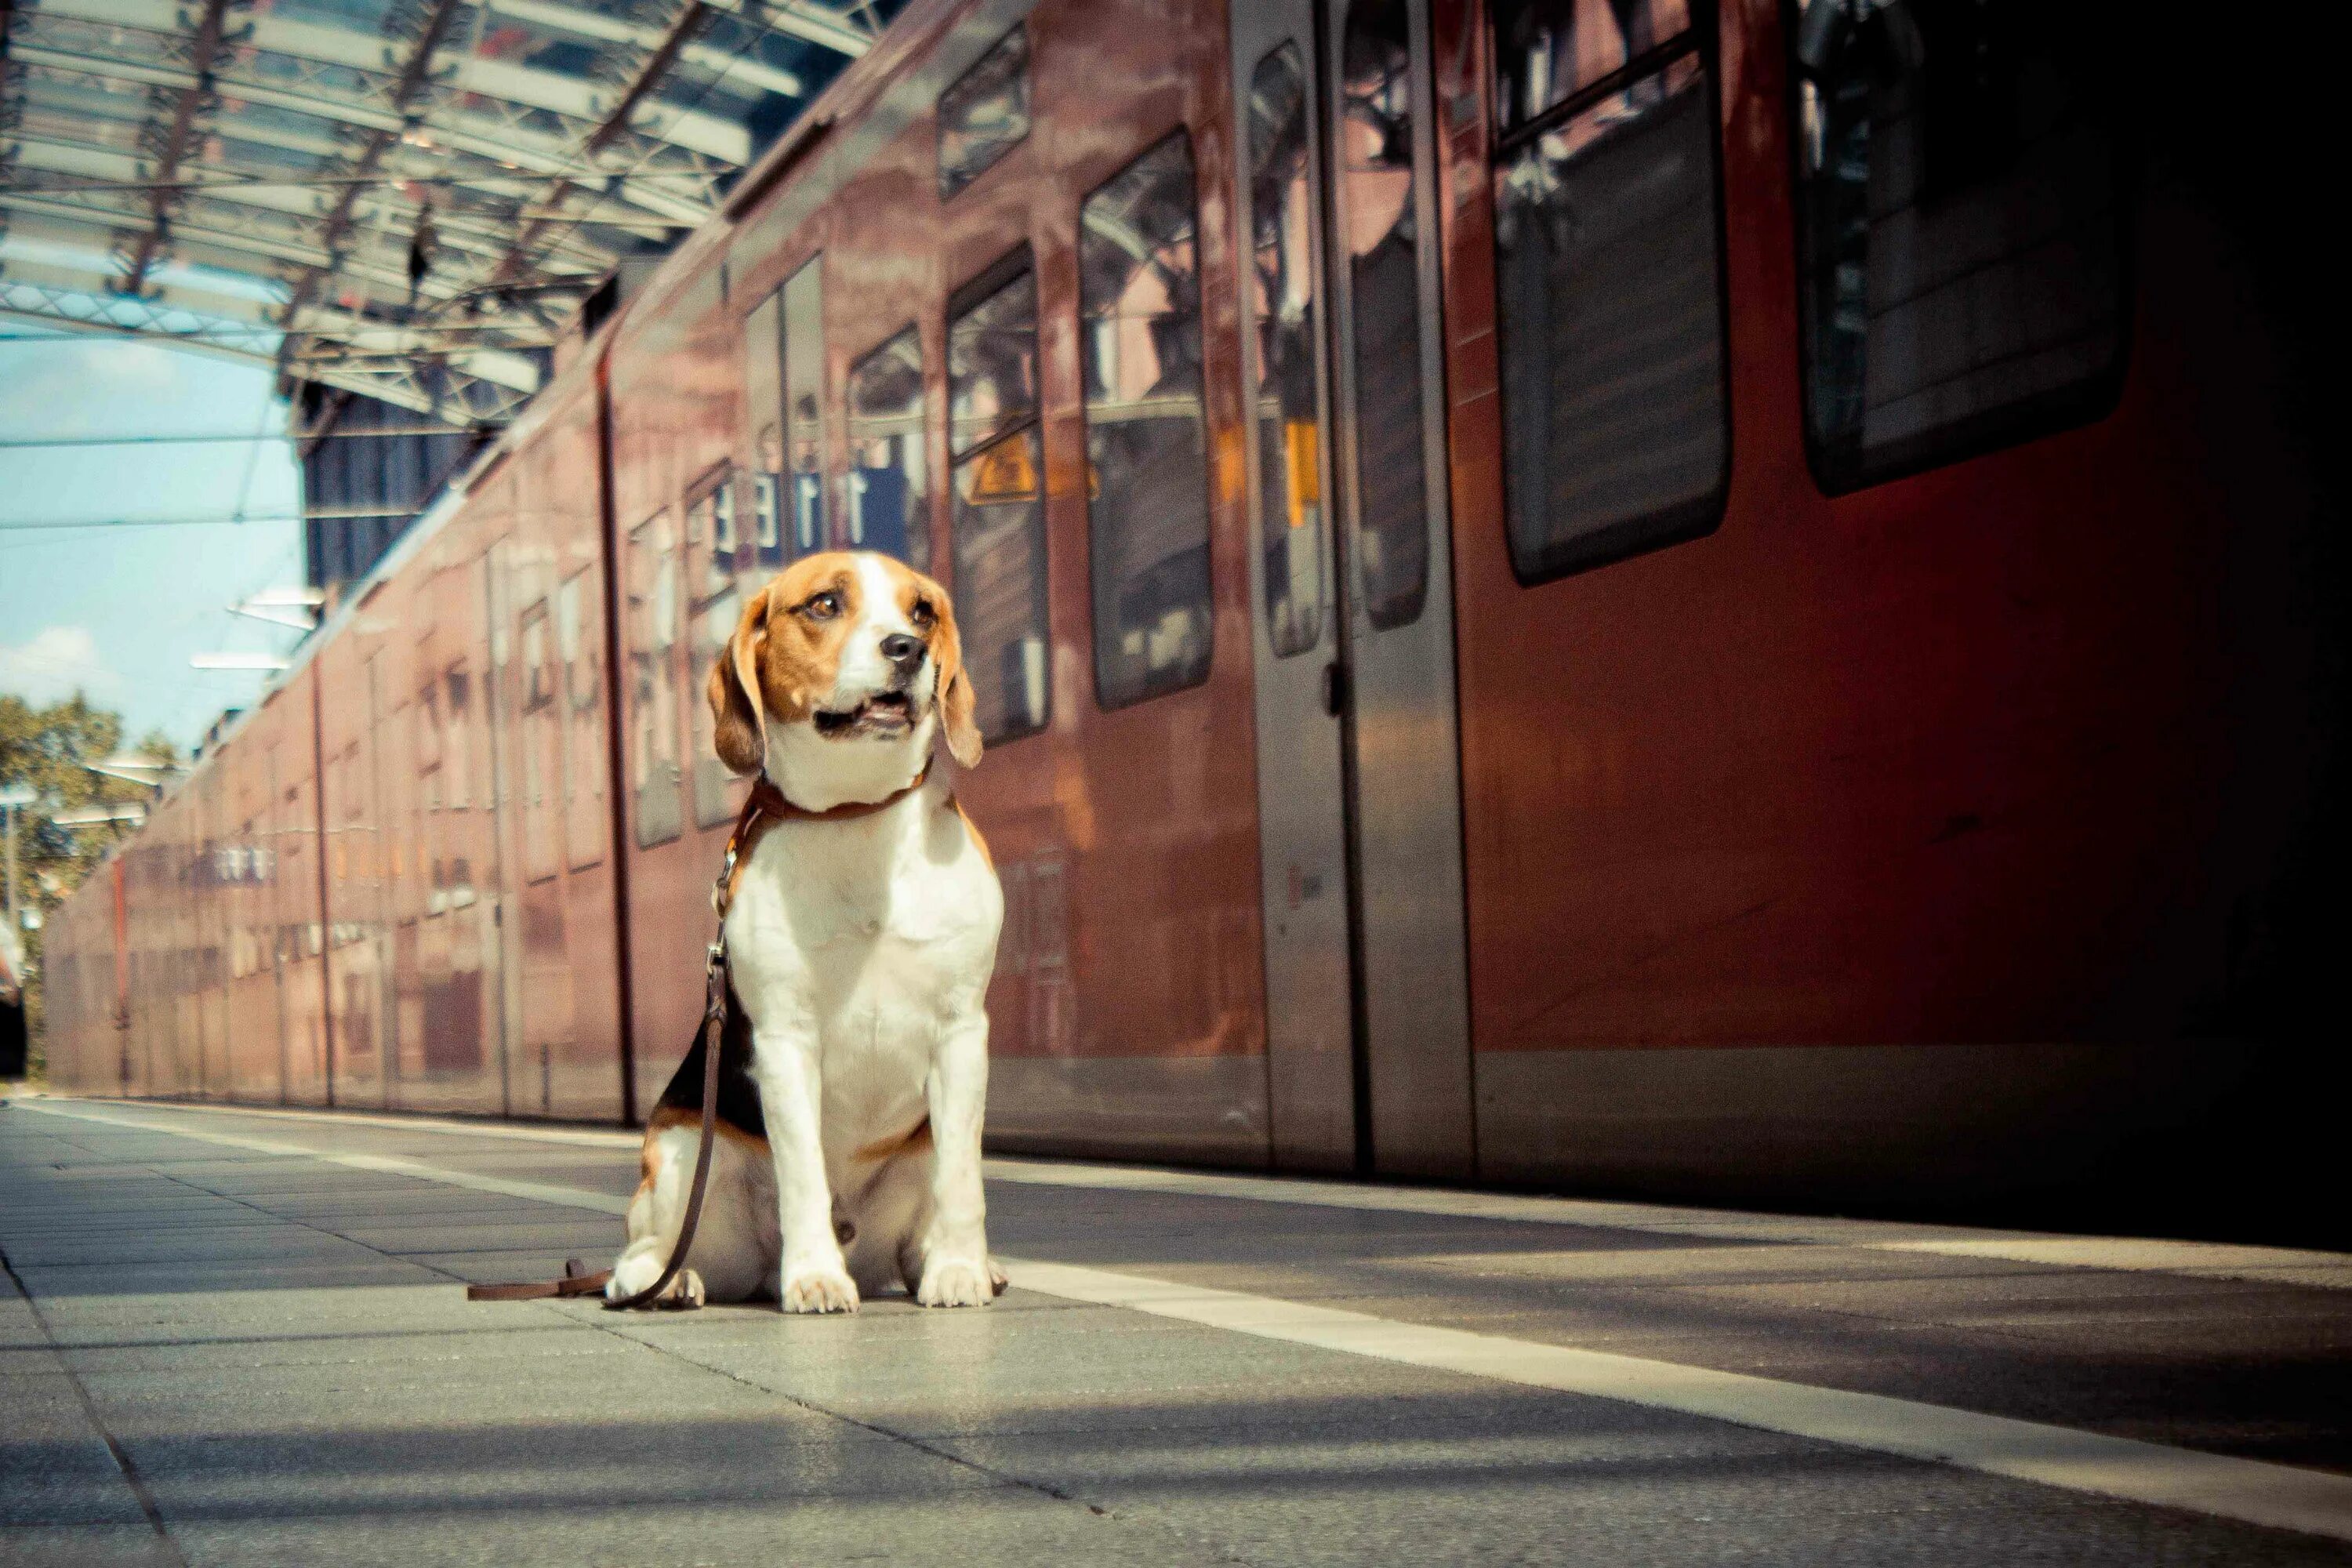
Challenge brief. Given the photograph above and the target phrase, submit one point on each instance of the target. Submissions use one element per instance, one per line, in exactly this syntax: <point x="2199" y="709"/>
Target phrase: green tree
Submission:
<point x="48" y="748"/>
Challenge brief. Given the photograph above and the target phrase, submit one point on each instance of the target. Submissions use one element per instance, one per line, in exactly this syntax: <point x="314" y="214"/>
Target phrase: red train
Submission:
<point x="1627" y="596"/>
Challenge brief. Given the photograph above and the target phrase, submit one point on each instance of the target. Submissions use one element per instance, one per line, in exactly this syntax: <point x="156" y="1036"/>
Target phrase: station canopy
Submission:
<point x="398" y="198"/>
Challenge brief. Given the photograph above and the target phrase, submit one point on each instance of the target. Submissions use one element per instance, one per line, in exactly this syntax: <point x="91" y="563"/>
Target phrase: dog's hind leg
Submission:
<point x="885" y="1203"/>
<point x="733" y="1256"/>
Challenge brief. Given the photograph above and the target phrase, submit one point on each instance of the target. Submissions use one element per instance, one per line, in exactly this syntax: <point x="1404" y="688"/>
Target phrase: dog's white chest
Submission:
<point x="873" y="932"/>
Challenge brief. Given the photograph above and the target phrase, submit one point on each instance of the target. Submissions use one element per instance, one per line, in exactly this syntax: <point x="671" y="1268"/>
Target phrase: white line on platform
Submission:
<point x="472" y="1127"/>
<point x="2271" y="1265"/>
<point x="2327" y="1270"/>
<point x="2205" y="1259"/>
<point x="383" y="1164"/>
<point x="2278" y="1496"/>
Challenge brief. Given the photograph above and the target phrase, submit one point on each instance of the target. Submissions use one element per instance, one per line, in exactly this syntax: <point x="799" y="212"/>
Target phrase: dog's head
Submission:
<point x="839" y="674"/>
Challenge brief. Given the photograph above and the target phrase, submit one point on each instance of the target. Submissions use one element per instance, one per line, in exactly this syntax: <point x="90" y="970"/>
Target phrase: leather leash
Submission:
<point x="766" y="804"/>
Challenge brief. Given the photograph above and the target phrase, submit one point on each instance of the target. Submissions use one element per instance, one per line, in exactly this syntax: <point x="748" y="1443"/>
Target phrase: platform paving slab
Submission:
<point x="261" y="1357"/>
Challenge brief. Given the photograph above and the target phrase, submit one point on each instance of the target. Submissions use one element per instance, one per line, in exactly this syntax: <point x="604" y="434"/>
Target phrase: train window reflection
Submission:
<point x="890" y="499"/>
<point x="998" y="518"/>
<point x="1608" y="287"/>
<point x="993" y="354"/>
<point x="716" y="604"/>
<point x="1547" y="51"/>
<point x="1289" y="415"/>
<point x="984" y="113"/>
<point x="652" y="588"/>
<point x="1377" y="199"/>
<point x="1959" y="220"/>
<point x="579" y="648"/>
<point x="804" y="406"/>
<point x="1139" y="341"/>
<point x="1000" y="584"/>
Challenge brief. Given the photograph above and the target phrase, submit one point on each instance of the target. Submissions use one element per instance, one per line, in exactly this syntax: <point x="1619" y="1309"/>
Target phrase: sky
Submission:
<point x="116" y="612"/>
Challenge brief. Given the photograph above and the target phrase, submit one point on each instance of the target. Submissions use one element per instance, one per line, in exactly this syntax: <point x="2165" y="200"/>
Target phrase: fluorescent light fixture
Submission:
<point x="93" y="814"/>
<point x="264" y="661"/>
<point x="134" y="768"/>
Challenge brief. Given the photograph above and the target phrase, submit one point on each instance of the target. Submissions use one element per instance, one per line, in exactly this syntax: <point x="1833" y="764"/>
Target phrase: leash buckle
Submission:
<point x="714" y="982"/>
<point x="722" y="891"/>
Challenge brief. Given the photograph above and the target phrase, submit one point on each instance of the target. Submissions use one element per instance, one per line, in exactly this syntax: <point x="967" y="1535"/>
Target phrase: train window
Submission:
<point x="459" y="767"/>
<point x="396" y="771"/>
<point x="1959" y="223"/>
<point x="998" y="521"/>
<point x="576" y="647"/>
<point x="1377" y="200"/>
<point x="763" y="386"/>
<point x="1609" y="281"/>
<point x="715" y="605"/>
<point x="1147" y="459"/>
<point x="542" y="743"/>
<point x="654" y="678"/>
<point x="1289" y="422"/>
<point x="456" y="757"/>
<point x="984" y="113"/>
<point x="889" y="500"/>
<point x="430" y="830"/>
<point x="804" y="406"/>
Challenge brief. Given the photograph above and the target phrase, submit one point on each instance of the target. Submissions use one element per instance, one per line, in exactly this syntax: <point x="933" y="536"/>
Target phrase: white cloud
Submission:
<point x="54" y="663"/>
<point x="77" y="387"/>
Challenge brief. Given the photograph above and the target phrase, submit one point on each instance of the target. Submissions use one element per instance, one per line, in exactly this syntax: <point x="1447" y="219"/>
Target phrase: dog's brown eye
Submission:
<point x="824" y="607"/>
<point x="922" y="615"/>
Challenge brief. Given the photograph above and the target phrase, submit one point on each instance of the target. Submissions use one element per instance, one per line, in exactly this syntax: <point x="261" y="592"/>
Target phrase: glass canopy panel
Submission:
<point x="348" y="145"/>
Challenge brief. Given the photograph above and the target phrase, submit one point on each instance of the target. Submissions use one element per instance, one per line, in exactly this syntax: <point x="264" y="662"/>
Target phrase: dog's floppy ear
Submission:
<point x="956" y="700"/>
<point x="739" y="727"/>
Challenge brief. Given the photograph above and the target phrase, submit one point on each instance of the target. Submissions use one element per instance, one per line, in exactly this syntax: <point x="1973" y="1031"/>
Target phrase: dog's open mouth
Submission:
<point x="887" y="713"/>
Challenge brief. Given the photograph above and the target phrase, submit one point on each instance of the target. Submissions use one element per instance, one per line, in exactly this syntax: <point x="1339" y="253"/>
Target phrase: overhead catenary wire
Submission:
<point x="72" y="185"/>
<point x="230" y="437"/>
<point x="47" y="525"/>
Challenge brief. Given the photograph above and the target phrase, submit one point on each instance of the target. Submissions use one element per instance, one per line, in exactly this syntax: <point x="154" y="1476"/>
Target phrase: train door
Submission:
<point x="1359" y="773"/>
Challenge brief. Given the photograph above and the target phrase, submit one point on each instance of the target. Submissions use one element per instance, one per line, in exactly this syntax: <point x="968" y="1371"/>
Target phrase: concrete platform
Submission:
<point x="238" y="1338"/>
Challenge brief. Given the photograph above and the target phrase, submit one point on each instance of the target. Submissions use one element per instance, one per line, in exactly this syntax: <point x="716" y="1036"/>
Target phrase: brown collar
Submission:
<point x="768" y="801"/>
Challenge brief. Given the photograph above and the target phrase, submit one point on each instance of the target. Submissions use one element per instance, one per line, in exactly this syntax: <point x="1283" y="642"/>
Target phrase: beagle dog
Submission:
<point x="853" y="1071"/>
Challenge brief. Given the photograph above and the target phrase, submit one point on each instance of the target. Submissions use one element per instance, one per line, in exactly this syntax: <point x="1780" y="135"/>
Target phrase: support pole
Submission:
<point x="14" y="920"/>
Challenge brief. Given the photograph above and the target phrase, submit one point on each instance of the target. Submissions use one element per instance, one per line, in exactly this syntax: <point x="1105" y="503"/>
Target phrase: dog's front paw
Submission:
<point x="631" y="1275"/>
<point x="820" y="1290"/>
<point x="957" y="1282"/>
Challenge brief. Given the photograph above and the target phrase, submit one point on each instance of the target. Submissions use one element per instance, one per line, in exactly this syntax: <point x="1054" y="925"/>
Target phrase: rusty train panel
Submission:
<point x="1837" y="828"/>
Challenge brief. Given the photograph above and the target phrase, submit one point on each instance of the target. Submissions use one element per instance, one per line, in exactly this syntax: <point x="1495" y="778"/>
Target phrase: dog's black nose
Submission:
<point x="904" y="651"/>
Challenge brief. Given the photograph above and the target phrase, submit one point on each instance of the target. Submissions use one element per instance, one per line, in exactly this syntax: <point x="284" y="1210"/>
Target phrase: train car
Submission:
<point x="1655" y="597"/>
